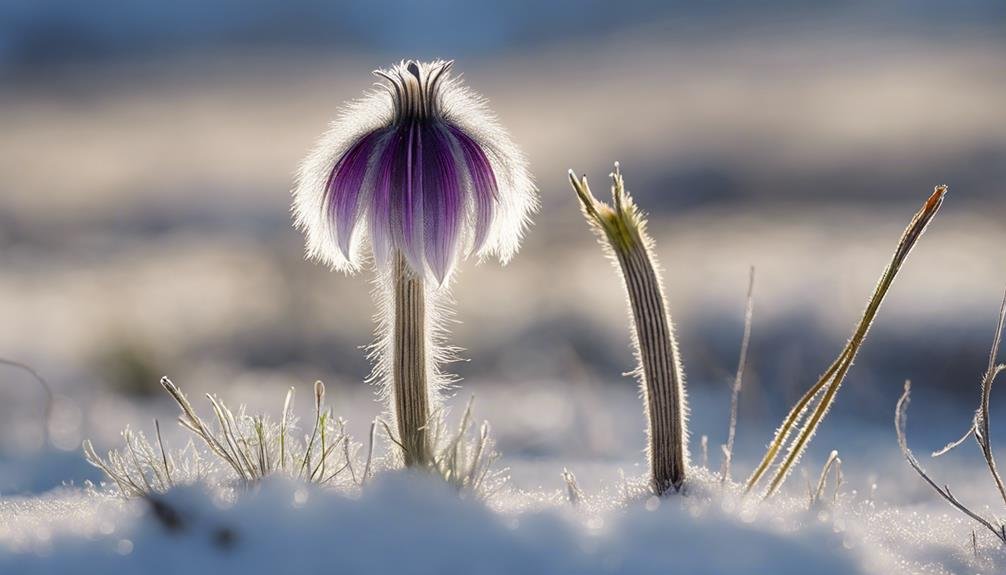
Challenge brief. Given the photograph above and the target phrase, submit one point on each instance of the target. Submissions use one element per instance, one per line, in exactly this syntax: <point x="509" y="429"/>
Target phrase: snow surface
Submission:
<point x="884" y="521"/>
<point x="404" y="524"/>
<point x="410" y="523"/>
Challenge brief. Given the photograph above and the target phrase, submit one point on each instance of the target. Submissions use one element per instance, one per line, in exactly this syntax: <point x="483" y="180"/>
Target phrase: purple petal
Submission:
<point x="442" y="201"/>
<point x="342" y="191"/>
<point x="409" y="205"/>
<point x="484" y="184"/>
<point x="388" y="179"/>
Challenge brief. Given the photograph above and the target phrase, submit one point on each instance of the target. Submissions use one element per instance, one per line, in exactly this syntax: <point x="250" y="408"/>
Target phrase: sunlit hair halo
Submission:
<point x="420" y="171"/>
<point x="419" y="166"/>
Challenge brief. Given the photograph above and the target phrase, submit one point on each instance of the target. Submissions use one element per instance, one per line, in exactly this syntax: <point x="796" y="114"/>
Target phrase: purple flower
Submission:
<point x="419" y="167"/>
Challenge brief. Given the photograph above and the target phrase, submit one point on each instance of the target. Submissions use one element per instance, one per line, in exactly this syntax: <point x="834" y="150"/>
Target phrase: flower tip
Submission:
<point x="440" y="275"/>
<point x="934" y="201"/>
<point x="342" y="243"/>
<point x="574" y="180"/>
<point x="439" y="266"/>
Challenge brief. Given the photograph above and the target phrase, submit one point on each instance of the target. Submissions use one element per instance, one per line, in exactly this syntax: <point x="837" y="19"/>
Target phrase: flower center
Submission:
<point x="415" y="88"/>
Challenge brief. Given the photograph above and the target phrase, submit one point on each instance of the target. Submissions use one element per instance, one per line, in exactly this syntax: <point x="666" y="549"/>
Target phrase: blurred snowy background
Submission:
<point x="147" y="150"/>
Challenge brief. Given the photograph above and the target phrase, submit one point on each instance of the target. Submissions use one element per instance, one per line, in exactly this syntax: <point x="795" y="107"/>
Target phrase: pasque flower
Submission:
<point x="417" y="174"/>
<point x="420" y="167"/>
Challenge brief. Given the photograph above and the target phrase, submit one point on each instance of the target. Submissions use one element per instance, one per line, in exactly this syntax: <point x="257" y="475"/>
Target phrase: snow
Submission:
<point x="884" y="520"/>
<point x="404" y="523"/>
<point x="411" y="523"/>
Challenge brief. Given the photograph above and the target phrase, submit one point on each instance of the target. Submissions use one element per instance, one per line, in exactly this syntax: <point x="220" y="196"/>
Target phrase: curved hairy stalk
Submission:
<point x="622" y="230"/>
<point x="829" y="383"/>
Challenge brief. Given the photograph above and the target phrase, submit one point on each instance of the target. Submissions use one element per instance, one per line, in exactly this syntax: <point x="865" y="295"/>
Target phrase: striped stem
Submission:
<point x="411" y="394"/>
<point x="622" y="230"/>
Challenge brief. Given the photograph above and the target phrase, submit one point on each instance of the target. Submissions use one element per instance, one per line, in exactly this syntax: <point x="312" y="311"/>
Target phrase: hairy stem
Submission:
<point x="408" y="365"/>
<point x="660" y="371"/>
<point x="622" y="230"/>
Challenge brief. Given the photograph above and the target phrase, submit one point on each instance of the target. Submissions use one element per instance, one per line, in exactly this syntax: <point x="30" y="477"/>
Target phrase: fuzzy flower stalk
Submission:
<point x="413" y="177"/>
<point x="621" y="229"/>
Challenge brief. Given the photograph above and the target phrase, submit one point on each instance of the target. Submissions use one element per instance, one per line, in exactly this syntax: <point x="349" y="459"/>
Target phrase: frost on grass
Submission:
<point x="465" y="457"/>
<point x="279" y="524"/>
<point x="246" y="447"/>
<point x="811" y="409"/>
<point x="236" y="449"/>
<point x="138" y="468"/>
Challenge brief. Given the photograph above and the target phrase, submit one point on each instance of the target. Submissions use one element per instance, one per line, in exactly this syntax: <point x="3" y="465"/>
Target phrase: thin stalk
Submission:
<point x="319" y="399"/>
<point x="324" y="453"/>
<point x="622" y="230"/>
<point x="370" y="453"/>
<point x="479" y="450"/>
<point x="130" y="448"/>
<point x="410" y="388"/>
<point x="50" y="398"/>
<point x="900" y="420"/>
<point x="981" y="426"/>
<point x="164" y="454"/>
<point x="833" y="461"/>
<point x="349" y="459"/>
<point x="735" y="392"/>
<point x="191" y="421"/>
<point x="829" y="383"/>
<point x="282" y="428"/>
